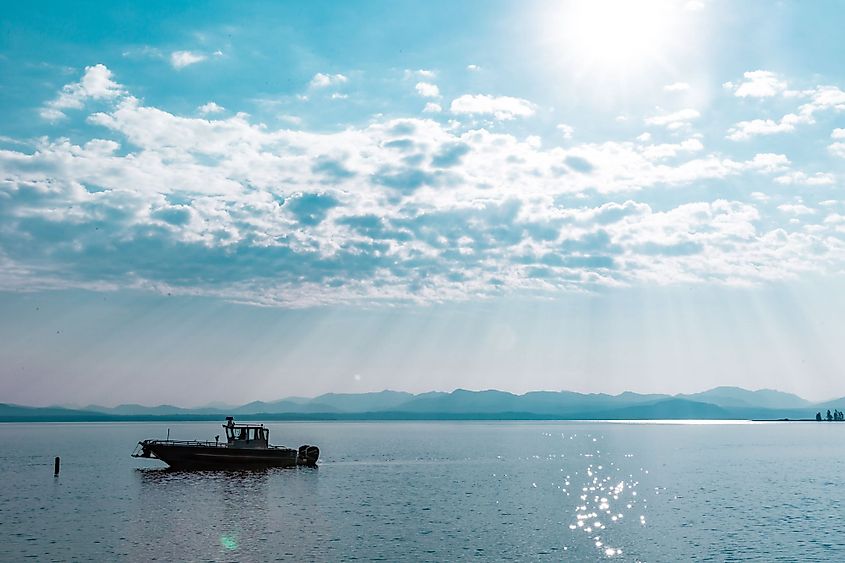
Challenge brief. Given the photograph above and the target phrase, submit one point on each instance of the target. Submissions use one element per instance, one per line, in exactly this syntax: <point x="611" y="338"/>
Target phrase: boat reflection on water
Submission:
<point x="232" y="514"/>
<point x="247" y="446"/>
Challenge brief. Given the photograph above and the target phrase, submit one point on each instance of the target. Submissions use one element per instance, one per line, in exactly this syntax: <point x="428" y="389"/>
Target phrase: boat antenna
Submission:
<point x="168" y="433"/>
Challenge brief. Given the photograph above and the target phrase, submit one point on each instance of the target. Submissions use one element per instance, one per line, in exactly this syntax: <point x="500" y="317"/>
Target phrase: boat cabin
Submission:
<point x="246" y="435"/>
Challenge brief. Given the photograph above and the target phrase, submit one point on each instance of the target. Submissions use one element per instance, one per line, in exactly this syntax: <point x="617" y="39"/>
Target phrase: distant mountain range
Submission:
<point x="718" y="403"/>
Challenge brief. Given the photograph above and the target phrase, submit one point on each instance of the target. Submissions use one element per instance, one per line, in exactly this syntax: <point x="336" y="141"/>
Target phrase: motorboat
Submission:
<point x="246" y="446"/>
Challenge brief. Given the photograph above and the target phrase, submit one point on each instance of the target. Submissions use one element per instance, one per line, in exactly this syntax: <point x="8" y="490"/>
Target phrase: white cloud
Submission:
<point x="338" y="96"/>
<point x="837" y="134"/>
<point x="674" y="120"/>
<point x="420" y="73"/>
<point x="821" y="98"/>
<point x="399" y="210"/>
<point x="817" y="179"/>
<point x="210" y="107"/>
<point x="427" y="90"/>
<point x="181" y="59"/>
<point x="746" y="129"/>
<point x="503" y="108"/>
<point x="769" y="162"/>
<point x="758" y="84"/>
<point x="321" y="80"/>
<point x="824" y="98"/>
<point x="432" y="107"/>
<point x="837" y="149"/>
<point x="796" y="209"/>
<point x="670" y="150"/>
<point x="677" y="87"/>
<point x="473" y="68"/>
<point x="96" y="84"/>
<point x="565" y="130"/>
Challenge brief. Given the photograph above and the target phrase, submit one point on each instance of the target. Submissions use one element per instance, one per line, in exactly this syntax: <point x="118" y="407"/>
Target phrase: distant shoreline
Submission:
<point x="786" y="420"/>
<point x="332" y="417"/>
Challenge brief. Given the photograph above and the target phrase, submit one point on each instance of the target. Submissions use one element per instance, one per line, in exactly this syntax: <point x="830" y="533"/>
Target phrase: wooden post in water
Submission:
<point x="56" y="466"/>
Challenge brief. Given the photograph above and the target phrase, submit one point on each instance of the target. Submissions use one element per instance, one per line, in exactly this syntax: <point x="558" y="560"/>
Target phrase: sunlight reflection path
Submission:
<point x="605" y="493"/>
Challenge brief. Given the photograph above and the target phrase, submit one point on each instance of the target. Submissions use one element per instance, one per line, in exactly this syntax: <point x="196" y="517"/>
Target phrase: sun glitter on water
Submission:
<point x="604" y="496"/>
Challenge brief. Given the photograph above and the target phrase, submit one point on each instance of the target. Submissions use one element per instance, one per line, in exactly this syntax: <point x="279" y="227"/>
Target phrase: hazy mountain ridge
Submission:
<point x="717" y="403"/>
<point x="739" y="397"/>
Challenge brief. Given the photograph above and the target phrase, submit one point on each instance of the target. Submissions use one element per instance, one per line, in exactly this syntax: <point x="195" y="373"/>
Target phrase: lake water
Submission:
<point x="434" y="491"/>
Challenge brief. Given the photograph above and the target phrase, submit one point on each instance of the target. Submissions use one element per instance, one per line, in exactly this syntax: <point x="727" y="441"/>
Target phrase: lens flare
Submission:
<point x="229" y="542"/>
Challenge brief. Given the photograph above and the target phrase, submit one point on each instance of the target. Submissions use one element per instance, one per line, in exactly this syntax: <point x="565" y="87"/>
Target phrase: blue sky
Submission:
<point x="596" y="196"/>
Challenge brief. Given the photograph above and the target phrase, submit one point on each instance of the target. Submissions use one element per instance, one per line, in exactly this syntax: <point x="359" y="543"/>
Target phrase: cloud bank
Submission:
<point x="400" y="210"/>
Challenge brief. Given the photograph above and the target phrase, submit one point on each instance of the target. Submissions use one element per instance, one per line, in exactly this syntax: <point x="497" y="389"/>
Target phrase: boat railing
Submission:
<point x="186" y="443"/>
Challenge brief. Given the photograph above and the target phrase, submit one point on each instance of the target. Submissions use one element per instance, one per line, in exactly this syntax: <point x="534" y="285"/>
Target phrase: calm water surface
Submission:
<point x="434" y="491"/>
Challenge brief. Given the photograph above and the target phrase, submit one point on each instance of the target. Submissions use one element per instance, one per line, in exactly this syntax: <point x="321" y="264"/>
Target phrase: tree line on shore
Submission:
<point x="837" y="416"/>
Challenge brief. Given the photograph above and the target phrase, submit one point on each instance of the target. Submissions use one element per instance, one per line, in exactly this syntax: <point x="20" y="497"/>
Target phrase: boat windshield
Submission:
<point x="247" y="433"/>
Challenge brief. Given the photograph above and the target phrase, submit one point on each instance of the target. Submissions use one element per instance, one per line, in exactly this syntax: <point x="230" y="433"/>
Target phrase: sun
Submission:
<point x="614" y="36"/>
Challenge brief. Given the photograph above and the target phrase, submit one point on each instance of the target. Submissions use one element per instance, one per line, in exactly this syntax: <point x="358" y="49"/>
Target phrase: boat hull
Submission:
<point x="179" y="456"/>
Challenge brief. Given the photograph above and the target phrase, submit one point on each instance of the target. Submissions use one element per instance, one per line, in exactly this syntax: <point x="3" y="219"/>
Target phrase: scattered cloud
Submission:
<point x="822" y="98"/>
<point x="796" y="209"/>
<point x="96" y="84"/>
<point x="503" y="108"/>
<point x="432" y="107"/>
<point x="819" y="99"/>
<point x="321" y="80"/>
<point x="837" y="149"/>
<point x="801" y="178"/>
<point x="473" y="68"/>
<point x="210" y="107"/>
<point x="770" y="162"/>
<point x="758" y="84"/>
<point x="181" y="59"/>
<point x="427" y="90"/>
<point x="565" y="130"/>
<point x="671" y="150"/>
<point x="744" y="130"/>
<point x="425" y="74"/>
<point x="674" y="120"/>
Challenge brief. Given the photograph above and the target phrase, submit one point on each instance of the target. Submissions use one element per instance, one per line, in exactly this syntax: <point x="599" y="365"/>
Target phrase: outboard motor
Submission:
<point x="308" y="455"/>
